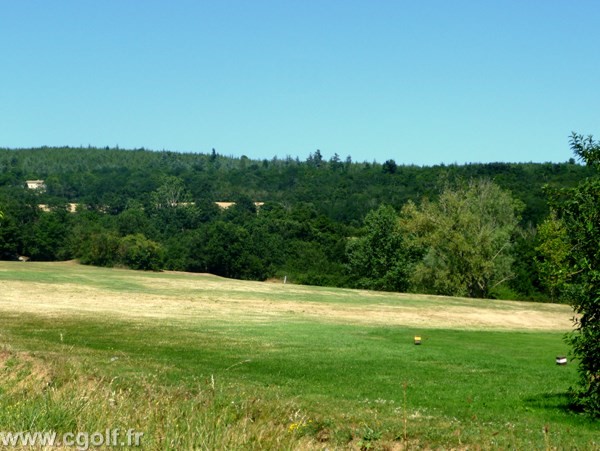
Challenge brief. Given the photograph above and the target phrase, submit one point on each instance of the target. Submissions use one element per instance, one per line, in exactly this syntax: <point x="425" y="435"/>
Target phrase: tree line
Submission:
<point x="469" y="230"/>
<point x="515" y="231"/>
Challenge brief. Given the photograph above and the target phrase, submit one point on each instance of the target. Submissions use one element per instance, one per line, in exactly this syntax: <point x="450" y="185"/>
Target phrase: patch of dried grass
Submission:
<point x="198" y="297"/>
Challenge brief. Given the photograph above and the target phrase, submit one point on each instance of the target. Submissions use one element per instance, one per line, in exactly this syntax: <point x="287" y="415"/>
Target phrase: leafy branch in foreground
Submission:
<point x="579" y="211"/>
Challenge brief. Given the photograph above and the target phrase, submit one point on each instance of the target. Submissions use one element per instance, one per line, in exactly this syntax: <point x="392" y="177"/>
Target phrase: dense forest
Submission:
<point x="317" y="221"/>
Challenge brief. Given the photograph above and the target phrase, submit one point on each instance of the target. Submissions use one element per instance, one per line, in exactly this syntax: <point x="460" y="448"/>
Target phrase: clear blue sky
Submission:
<point x="422" y="82"/>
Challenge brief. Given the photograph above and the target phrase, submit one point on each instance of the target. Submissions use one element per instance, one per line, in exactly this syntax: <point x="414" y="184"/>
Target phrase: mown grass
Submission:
<point x="123" y="281"/>
<point x="283" y="384"/>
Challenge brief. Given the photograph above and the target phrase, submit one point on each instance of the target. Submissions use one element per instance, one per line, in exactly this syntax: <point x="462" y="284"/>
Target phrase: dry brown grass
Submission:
<point x="188" y="297"/>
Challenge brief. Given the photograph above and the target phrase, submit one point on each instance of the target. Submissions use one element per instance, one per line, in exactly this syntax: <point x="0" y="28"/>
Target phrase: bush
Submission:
<point x="138" y="252"/>
<point x="100" y="249"/>
<point x="579" y="210"/>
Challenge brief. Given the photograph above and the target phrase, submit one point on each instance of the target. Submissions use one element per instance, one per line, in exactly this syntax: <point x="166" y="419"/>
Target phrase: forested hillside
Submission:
<point x="156" y="210"/>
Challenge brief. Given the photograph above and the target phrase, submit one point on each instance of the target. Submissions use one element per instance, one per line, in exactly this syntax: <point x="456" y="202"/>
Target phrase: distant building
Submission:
<point x="226" y="205"/>
<point x="71" y="207"/>
<point x="36" y="184"/>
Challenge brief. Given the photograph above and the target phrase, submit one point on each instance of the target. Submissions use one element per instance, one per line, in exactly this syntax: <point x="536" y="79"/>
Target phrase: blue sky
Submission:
<point x="421" y="82"/>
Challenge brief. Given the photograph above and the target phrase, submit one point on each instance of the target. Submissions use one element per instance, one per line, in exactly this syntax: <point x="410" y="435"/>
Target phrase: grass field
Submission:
<point x="197" y="361"/>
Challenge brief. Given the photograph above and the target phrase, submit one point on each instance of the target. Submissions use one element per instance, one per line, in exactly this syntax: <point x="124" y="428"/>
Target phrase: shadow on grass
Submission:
<point x="552" y="401"/>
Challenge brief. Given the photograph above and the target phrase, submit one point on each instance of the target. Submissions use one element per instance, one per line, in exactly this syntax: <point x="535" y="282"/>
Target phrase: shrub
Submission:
<point x="138" y="252"/>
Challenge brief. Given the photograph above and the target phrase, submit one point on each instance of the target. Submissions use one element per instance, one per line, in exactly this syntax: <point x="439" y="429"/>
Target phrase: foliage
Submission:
<point x="224" y="250"/>
<point x="100" y="249"/>
<point x="135" y="220"/>
<point x="525" y="283"/>
<point x="390" y="167"/>
<point x="466" y="237"/>
<point x="579" y="211"/>
<point x="48" y="231"/>
<point x="552" y="254"/>
<point x="310" y="208"/>
<point x="586" y="149"/>
<point x="21" y="214"/>
<point x="170" y="193"/>
<point x="9" y="238"/>
<point x="379" y="260"/>
<point x="138" y="252"/>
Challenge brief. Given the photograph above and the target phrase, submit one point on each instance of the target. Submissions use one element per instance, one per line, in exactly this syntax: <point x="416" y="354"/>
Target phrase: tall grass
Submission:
<point x="57" y="394"/>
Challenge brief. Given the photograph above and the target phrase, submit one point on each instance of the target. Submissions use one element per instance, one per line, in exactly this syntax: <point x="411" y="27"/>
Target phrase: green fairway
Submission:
<point x="77" y="356"/>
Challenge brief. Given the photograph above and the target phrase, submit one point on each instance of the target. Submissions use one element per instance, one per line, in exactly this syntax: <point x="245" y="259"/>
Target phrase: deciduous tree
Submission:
<point x="138" y="252"/>
<point x="552" y="254"/>
<point x="379" y="260"/>
<point x="170" y="193"/>
<point x="466" y="237"/>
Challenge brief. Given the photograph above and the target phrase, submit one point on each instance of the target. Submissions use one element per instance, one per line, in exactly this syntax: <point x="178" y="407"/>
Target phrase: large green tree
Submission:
<point x="379" y="260"/>
<point x="466" y="239"/>
<point x="579" y="211"/>
<point x="170" y="193"/>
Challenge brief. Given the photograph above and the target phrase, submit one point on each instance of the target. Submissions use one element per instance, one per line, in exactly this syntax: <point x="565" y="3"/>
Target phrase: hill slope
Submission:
<point x="197" y="361"/>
